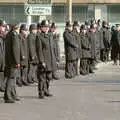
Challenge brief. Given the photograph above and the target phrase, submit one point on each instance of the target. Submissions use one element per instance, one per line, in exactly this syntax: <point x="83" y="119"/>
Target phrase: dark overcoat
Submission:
<point x="32" y="48"/>
<point x="106" y="38"/>
<point x="86" y="45"/>
<point x="56" y="47"/>
<point x="23" y="50"/>
<point x="2" y="53"/>
<point x="12" y="49"/>
<point x="92" y="38"/>
<point x="71" y="46"/>
<point x="78" y="41"/>
<point x="115" y="40"/>
<point x="45" y="51"/>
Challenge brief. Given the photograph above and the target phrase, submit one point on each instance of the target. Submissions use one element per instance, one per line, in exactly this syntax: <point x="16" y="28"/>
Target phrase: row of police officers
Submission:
<point x="27" y="58"/>
<point x="88" y="44"/>
<point x="31" y="57"/>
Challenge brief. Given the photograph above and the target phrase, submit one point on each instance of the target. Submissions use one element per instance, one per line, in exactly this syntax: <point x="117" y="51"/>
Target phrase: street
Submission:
<point x="91" y="97"/>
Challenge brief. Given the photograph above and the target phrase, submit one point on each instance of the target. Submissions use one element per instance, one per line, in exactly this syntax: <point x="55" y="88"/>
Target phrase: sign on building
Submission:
<point x="39" y="1"/>
<point x="37" y="9"/>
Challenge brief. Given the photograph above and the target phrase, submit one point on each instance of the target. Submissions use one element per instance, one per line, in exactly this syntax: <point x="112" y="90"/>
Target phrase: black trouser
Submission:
<point x="97" y="55"/>
<point x="10" y="90"/>
<point x="44" y="78"/>
<point x="107" y="54"/>
<point x="116" y="55"/>
<point x="24" y="75"/>
<point x="84" y="66"/>
<point x="102" y="55"/>
<point x="32" y="73"/>
<point x="70" y="69"/>
<point x="18" y="79"/>
<point x="91" y="64"/>
<point x="75" y="67"/>
<point x="2" y="81"/>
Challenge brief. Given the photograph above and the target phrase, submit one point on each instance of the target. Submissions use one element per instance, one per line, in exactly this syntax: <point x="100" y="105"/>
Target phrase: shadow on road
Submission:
<point x="114" y="101"/>
<point x="29" y="97"/>
<point x="112" y="90"/>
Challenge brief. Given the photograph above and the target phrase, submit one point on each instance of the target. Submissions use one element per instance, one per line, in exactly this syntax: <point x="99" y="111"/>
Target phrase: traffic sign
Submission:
<point x="37" y="9"/>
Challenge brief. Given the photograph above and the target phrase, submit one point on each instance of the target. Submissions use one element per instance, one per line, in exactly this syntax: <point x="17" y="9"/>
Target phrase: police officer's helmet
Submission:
<point x="76" y="23"/>
<point x="83" y="27"/>
<point x="23" y="27"/>
<point x="68" y="24"/>
<point x="44" y="23"/>
<point x="104" y="24"/>
<point x="38" y="25"/>
<point x="53" y="25"/>
<point x="87" y="22"/>
<point x="92" y="26"/>
<point x="33" y="27"/>
<point x="2" y="22"/>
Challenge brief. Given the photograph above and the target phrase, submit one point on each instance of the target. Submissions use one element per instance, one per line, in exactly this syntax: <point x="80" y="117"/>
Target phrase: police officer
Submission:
<point x="46" y="57"/>
<point x="70" y="51"/>
<point x="32" y="76"/>
<point x="13" y="55"/>
<point x="56" y="48"/>
<point x="93" y="38"/>
<point x="76" y="32"/>
<point x="100" y="39"/>
<point x="2" y="54"/>
<point x="115" y="42"/>
<point x="86" y="51"/>
<point x="24" y="53"/>
<point x="106" y="40"/>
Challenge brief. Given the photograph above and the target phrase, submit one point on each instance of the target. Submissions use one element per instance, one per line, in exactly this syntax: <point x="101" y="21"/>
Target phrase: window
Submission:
<point x="114" y="13"/>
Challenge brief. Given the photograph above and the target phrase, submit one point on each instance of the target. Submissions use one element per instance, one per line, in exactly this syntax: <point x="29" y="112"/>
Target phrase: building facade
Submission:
<point x="13" y="11"/>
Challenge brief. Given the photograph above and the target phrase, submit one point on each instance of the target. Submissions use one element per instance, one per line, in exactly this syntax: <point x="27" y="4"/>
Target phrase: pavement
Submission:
<point x="92" y="97"/>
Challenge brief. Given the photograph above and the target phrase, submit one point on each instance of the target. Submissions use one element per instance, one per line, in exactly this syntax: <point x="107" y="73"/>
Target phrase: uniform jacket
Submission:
<point x="71" y="46"/>
<point x="32" y="48"/>
<point x="115" y="40"/>
<point x="12" y="49"/>
<point x="2" y="53"/>
<point x="86" y="45"/>
<point x="78" y="41"/>
<point x="106" y="38"/>
<point x="45" y="51"/>
<point x="56" y="47"/>
<point x="23" y="50"/>
<point x="92" y="38"/>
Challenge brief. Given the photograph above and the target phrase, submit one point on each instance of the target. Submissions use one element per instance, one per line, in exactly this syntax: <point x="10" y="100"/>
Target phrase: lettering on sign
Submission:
<point x="37" y="10"/>
<point x="39" y="1"/>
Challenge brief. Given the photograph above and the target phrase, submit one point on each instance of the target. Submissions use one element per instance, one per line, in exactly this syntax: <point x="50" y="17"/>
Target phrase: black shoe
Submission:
<point x="2" y="90"/>
<point x="48" y="95"/>
<point x="26" y="84"/>
<point x="9" y="101"/>
<point x="92" y="72"/>
<point x="19" y="85"/>
<point x="56" y="78"/>
<point x="41" y="97"/>
<point x="17" y="99"/>
<point x="30" y="82"/>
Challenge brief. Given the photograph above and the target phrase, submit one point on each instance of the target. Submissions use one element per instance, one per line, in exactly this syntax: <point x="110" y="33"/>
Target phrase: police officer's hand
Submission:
<point x="18" y="65"/>
<point x="57" y="63"/>
<point x="44" y="65"/>
<point x="33" y="58"/>
<point x="23" y="57"/>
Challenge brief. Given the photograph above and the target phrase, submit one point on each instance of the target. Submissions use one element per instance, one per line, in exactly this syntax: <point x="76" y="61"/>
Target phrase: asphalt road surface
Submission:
<point x="91" y="97"/>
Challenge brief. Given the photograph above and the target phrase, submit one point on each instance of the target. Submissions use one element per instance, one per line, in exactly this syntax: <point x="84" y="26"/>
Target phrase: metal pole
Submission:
<point x="69" y="10"/>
